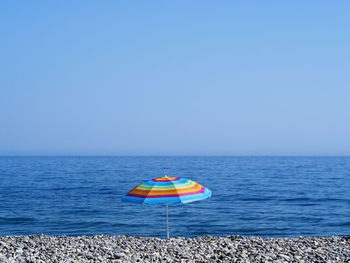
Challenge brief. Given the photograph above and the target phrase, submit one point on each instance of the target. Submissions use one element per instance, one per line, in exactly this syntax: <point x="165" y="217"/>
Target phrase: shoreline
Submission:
<point x="104" y="248"/>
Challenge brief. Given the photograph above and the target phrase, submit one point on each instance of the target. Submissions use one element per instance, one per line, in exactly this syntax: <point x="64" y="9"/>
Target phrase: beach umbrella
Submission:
<point x="167" y="190"/>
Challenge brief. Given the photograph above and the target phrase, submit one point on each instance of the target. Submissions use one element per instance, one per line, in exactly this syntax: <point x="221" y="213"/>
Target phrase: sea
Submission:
<point x="251" y="196"/>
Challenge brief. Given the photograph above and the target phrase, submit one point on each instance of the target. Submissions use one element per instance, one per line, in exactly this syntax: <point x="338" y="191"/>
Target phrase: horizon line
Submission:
<point x="168" y="155"/>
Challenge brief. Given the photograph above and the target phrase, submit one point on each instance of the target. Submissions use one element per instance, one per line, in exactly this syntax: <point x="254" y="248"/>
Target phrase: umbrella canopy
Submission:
<point x="167" y="190"/>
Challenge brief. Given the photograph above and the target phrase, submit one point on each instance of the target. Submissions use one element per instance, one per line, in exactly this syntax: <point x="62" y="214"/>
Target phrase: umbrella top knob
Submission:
<point x="166" y="175"/>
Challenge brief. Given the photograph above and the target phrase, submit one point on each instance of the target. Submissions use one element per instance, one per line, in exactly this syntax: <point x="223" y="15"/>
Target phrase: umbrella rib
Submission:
<point x="176" y="190"/>
<point x="148" y="191"/>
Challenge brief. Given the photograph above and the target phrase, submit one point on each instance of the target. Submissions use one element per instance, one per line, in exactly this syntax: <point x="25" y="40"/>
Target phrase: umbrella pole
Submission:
<point x="167" y="225"/>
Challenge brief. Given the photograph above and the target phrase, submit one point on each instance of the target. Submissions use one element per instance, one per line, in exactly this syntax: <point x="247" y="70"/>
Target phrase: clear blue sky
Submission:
<point x="175" y="77"/>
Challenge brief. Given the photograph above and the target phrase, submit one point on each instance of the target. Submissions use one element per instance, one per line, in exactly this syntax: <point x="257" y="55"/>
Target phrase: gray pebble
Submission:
<point x="102" y="248"/>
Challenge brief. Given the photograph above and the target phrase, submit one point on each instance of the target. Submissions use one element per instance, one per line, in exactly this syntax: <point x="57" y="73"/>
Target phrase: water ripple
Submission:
<point x="259" y="196"/>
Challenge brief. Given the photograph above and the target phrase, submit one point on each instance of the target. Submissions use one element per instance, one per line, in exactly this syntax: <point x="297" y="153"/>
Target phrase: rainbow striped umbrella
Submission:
<point x="166" y="190"/>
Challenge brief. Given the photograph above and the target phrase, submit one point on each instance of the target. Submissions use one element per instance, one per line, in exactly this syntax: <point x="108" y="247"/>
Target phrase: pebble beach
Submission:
<point x="103" y="248"/>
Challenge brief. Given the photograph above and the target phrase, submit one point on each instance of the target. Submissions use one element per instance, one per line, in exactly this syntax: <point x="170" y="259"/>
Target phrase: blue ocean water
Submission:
<point x="254" y="196"/>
